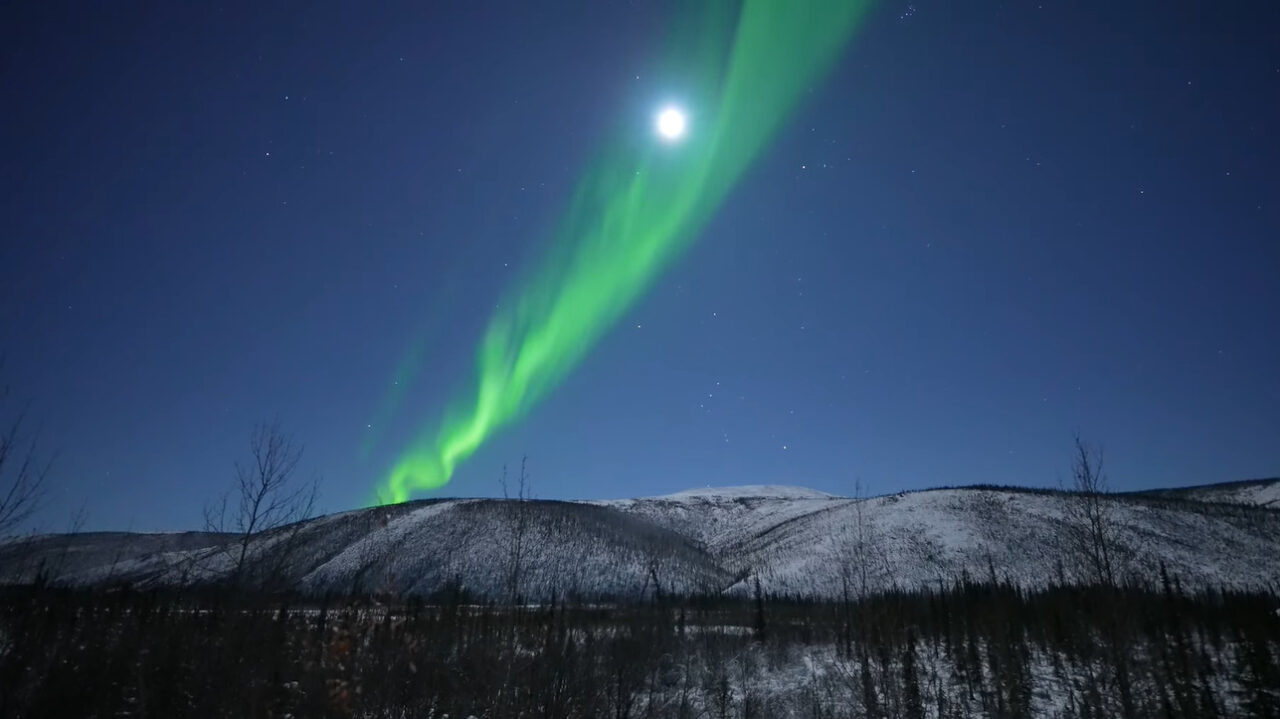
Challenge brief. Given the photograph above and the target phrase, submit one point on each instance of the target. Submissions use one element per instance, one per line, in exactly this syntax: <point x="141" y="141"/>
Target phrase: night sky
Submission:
<point x="991" y="225"/>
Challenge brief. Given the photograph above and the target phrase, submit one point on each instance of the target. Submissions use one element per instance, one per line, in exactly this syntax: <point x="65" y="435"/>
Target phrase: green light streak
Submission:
<point x="632" y="213"/>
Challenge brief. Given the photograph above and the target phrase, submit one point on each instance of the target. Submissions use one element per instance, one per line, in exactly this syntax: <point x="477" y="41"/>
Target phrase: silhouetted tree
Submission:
<point x="913" y="706"/>
<point x="1091" y="525"/>
<point x="759" y="621"/>
<point x="22" y="472"/>
<point x="519" y="506"/>
<point x="267" y="496"/>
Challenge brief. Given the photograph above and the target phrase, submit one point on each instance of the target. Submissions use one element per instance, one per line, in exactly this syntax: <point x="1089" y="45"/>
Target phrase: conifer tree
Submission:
<point x="913" y="707"/>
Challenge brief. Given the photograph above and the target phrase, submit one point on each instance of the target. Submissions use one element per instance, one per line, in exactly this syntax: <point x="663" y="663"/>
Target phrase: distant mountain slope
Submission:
<point x="926" y="537"/>
<point x="568" y="548"/>
<point x="724" y="517"/>
<point x="1258" y="492"/>
<point x="795" y="541"/>
<point x="94" y="556"/>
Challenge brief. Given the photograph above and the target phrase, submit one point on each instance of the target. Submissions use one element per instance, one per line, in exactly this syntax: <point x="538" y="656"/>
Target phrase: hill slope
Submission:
<point x="795" y="541"/>
<point x="1256" y="492"/>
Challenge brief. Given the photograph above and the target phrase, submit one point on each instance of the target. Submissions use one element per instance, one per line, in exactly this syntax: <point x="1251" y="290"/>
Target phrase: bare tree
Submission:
<point x="267" y="496"/>
<point x="22" y="472"/>
<point x="862" y="556"/>
<point x="519" y="529"/>
<point x="1094" y="532"/>
<point x="861" y="552"/>
<point x="1092" y="528"/>
<point x="519" y="507"/>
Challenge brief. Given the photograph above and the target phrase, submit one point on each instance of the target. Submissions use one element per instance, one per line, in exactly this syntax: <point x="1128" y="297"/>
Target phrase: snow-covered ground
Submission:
<point x="746" y="491"/>
<point x="808" y="680"/>
<point x="794" y="540"/>
<point x="1258" y="492"/>
<point x="724" y="517"/>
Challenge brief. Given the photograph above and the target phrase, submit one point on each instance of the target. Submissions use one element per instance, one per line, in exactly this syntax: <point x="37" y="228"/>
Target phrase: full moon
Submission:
<point x="671" y="124"/>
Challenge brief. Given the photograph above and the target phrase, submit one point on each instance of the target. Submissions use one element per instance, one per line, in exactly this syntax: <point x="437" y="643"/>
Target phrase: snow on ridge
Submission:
<point x="747" y="491"/>
<point x="1257" y="492"/>
<point x="1262" y="494"/>
<point x="1266" y="495"/>
<point x="794" y="540"/>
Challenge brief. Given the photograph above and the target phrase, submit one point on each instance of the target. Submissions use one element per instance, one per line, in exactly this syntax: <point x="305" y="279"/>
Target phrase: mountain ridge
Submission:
<point x="792" y="540"/>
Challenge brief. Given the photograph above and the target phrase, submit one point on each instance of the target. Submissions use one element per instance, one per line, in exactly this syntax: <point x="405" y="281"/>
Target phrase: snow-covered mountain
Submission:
<point x="794" y="540"/>
<point x="722" y="517"/>
<point x="1260" y="492"/>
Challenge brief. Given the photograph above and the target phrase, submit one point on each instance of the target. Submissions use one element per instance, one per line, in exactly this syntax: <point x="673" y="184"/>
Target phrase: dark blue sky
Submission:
<point x="994" y="224"/>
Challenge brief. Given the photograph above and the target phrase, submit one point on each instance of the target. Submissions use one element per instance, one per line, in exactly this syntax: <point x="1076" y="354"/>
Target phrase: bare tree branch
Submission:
<point x="22" y="473"/>
<point x="1092" y="526"/>
<point x="519" y="530"/>
<point x="267" y="497"/>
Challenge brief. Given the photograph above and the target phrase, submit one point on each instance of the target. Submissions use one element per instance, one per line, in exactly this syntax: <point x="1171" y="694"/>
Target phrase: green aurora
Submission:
<point x="635" y="209"/>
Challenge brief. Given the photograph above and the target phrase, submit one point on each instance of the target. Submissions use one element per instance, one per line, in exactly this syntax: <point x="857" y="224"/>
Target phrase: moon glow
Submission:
<point x="671" y="124"/>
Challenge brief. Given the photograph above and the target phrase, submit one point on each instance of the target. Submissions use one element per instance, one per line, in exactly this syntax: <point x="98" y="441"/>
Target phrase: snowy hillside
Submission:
<point x="94" y="556"/>
<point x="794" y="540"/>
<point x="1258" y="492"/>
<point x="747" y="491"/>
<point x="723" y="517"/>
<point x="934" y="536"/>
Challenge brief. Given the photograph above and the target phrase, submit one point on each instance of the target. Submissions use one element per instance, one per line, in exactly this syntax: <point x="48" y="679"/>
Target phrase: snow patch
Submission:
<point x="747" y="491"/>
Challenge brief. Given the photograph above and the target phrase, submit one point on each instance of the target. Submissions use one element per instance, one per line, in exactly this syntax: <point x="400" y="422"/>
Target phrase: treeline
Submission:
<point x="971" y="649"/>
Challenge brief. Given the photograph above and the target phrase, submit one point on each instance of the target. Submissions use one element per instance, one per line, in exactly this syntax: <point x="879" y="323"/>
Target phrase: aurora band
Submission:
<point x="632" y="213"/>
